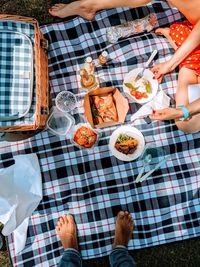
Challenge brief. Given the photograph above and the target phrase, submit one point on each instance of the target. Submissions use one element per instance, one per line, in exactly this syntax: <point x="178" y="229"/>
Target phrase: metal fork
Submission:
<point x="141" y="73"/>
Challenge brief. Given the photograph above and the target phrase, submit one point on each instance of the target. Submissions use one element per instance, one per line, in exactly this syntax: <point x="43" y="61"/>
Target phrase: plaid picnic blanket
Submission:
<point x="94" y="185"/>
<point x="17" y="81"/>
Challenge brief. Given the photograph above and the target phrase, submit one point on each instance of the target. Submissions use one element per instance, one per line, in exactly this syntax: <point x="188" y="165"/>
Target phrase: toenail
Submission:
<point x="121" y="213"/>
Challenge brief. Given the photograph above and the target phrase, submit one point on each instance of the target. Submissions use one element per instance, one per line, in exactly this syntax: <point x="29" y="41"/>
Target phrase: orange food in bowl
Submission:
<point x="85" y="137"/>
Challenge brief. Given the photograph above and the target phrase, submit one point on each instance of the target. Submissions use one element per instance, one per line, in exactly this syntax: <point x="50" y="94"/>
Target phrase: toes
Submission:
<point x="53" y="8"/>
<point x="70" y="218"/>
<point x="90" y="16"/>
<point x="128" y="217"/>
<point x="57" y="6"/>
<point x="159" y="30"/>
<point x="120" y="214"/>
<point x="52" y="12"/>
<point x="131" y="221"/>
<point x="65" y="218"/>
<point x="59" y="224"/>
<point x="57" y="229"/>
<point x="126" y="213"/>
<point x="61" y="220"/>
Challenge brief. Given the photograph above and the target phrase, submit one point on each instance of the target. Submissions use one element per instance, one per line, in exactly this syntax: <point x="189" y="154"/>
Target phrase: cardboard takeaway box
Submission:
<point x="120" y="101"/>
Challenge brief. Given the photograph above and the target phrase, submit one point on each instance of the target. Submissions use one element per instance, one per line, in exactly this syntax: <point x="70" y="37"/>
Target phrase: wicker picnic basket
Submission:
<point x="41" y="87"/>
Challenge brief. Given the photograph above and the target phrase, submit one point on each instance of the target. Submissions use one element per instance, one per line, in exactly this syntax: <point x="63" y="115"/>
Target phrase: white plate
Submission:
<point x="130" y="77"/>
<point x="132" y="132"/>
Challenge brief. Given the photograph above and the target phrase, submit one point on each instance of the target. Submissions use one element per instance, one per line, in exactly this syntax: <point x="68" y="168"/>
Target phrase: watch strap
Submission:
<point x="185" y="111"/>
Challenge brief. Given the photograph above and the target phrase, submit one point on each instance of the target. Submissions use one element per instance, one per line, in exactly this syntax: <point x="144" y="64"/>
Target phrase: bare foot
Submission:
<point x="75" y="8"/>
<point x="165" y="32"/>
<point x="66" y="230"/>
<point x="123" y="228"/>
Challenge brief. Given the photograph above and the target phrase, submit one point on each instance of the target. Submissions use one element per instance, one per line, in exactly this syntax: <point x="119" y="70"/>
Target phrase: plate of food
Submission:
<point x="127" y="143"/>
<point x="141" y="90"/>
<point x="84" y="136"/>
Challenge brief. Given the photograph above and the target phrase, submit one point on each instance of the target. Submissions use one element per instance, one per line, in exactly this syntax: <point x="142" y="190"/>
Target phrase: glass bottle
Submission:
<point x="88" y="81"/>
<point x="89" y="65"/>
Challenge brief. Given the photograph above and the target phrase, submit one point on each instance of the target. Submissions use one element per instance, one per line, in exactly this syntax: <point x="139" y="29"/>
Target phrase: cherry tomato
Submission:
<point x="138" y="95"/>
<point x="133" y="92"/>
<point x="144" y="95"/>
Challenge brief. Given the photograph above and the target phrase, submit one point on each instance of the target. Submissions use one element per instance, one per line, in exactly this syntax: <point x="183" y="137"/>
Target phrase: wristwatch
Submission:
<point x="186" y="115"/>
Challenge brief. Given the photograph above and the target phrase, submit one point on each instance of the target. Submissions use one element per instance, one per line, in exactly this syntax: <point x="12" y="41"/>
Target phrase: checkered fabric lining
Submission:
<point x="15" y="60"/>
<point x="94" y="185"/>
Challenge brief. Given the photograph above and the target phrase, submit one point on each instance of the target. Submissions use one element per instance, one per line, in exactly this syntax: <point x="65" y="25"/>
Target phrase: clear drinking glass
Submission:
<point x="66" y="101"/>
<point x="157" y="153"/>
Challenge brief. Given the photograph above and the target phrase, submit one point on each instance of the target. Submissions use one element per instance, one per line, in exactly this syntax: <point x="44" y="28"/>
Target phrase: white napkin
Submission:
<point x="160" y="101"/>
<point x="20" y="194"/>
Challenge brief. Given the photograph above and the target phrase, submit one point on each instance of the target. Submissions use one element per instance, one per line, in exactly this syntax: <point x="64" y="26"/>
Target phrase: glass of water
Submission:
<point x="156" y="153"/>
<point x="66" y="101"/>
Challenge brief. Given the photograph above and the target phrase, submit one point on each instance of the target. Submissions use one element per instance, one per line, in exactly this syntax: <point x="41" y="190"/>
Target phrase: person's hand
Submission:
<point x="160" y="69"/>
<point x="166" y="114"/>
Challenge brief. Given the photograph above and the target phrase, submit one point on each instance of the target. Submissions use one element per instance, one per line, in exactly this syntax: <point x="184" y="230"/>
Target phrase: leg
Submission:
<point x="66" y="230"/>
<point x="186" y="77"/>
<point x="165" y="32"/>
<point x="120" y="257"/>
<point x="80" y="8"/>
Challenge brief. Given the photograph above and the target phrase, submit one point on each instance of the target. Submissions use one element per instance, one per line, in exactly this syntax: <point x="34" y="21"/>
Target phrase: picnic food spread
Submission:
<point x="103" y="109"/>
<point x="106" y="106"/>
<point x="85" y="137"/>
<point x="126" y="144"/>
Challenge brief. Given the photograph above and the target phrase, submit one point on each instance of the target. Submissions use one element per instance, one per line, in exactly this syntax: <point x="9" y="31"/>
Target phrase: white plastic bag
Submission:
<point x="20" y="194"/>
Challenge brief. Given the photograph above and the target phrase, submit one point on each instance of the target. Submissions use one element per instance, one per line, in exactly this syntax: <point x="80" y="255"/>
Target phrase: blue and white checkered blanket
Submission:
<point x="94" y="186"/>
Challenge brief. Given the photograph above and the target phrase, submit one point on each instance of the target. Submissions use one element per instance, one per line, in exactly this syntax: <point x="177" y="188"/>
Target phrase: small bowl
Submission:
<point x="87" y="125"/>
<point x="66" y="101"/>
<point x="59" y="123"/>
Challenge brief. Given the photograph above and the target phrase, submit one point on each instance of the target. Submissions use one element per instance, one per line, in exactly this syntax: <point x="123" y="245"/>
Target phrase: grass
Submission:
<point x="183" y="253"/>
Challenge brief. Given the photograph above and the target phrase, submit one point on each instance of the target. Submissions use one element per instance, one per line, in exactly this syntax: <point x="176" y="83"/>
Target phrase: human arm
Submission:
<point x="176" y="113"/>
<point x="192" y="41"/>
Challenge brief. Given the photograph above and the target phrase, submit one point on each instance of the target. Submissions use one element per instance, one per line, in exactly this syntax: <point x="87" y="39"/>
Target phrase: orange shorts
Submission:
<point x="179" y="32"/>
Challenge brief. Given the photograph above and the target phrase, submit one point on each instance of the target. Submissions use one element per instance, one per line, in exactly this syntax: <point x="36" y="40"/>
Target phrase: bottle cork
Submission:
<point x="103" y="58"/>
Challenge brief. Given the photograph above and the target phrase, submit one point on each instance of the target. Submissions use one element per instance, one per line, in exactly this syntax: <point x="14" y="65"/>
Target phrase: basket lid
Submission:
<point x="16" y="75"/>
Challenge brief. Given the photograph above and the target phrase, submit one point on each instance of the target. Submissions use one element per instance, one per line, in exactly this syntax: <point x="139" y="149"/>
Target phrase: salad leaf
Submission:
<point x="123" y="137"/>
<point x="130" y="86"/>
<point x="148" y="87"/>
